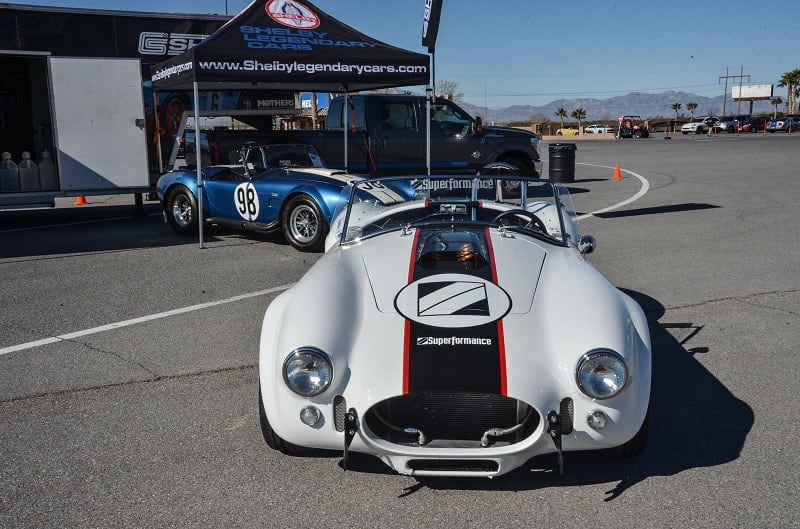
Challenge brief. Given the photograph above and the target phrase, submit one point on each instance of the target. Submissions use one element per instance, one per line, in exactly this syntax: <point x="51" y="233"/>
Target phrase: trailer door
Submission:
<point x="98" y="112"/>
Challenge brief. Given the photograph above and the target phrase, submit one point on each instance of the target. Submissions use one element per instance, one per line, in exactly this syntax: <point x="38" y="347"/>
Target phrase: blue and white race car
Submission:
<point x="277" y="187"/>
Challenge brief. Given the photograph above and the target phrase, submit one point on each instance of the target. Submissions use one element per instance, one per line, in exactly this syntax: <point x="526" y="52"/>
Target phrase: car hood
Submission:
<point x="508" y="280"/>
<point x="392" y="331"/>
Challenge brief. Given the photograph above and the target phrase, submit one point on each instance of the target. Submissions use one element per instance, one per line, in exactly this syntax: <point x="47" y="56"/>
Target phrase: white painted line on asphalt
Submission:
<point x="642" y="190"/>
<point x="134" y="321"/>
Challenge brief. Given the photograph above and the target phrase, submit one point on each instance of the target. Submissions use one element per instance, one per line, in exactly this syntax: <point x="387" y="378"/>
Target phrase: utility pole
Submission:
<point x="741" y="76"/>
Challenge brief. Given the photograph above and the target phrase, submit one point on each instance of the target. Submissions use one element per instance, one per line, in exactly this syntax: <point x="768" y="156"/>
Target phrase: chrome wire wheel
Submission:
<point x="303" y="224"/>
<point x="182" y="211"/>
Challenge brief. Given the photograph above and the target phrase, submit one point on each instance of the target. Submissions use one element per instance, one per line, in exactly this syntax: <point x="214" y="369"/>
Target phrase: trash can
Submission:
<point x="562" y="162"/>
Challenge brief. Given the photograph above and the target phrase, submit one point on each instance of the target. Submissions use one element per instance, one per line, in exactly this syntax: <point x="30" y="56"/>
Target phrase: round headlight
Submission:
<point x="601" y="374"/>
<point x="308" y="371"/>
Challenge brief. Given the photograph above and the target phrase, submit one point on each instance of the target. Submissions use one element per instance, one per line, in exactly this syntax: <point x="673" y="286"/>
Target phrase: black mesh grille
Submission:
<point x="453" y="465"/>
<point x="449" y="416"/>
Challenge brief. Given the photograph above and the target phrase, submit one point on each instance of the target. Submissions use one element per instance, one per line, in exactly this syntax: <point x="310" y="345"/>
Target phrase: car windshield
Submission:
<point x="523" y="205"/>
<point x="257" y="158"/>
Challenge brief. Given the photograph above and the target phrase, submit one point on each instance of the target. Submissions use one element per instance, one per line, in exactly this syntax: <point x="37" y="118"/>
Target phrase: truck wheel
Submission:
<point x="304" y="225"/>
<point x="181" y="211"/>
<point x="511" y="188"/>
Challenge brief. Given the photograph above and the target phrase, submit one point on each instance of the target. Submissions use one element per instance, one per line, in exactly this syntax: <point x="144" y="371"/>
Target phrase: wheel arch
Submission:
<point x="511" y="156"/>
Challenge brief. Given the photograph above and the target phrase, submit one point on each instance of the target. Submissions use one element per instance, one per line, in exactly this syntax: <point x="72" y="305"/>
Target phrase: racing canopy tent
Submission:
<point x="287" y="44"/>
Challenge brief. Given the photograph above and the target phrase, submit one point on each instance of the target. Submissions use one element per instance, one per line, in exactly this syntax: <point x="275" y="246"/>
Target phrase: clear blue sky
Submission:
<point x="531" y="52"/>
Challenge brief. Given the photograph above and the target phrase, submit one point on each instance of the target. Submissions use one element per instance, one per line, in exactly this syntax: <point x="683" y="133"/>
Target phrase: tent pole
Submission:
<point x="199" y="158"/>
<point x="345" y="109"/>
<point x="430" y="93"/>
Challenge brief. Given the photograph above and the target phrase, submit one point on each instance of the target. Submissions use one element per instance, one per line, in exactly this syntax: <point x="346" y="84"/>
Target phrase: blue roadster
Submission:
<point x="275" y="187"/>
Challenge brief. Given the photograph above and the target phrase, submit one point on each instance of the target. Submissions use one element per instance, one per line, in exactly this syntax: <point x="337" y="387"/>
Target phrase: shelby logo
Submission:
<point x="156" y="43"/>
<point x="452" y="340"/>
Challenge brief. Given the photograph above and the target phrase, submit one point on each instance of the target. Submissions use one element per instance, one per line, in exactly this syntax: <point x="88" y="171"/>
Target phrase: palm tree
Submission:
<point x="561" y="113"/>
<point x="691" y="107"/>
<point x="791" y="80"/>
<point x="775" y="102"/>
<point x="675" y="107"/>
<point x="579" y="114"/>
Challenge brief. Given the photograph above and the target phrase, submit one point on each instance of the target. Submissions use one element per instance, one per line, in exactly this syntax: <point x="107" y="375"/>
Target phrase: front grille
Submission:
<point x="452" y="416"/>
<point x="453" y="465"/>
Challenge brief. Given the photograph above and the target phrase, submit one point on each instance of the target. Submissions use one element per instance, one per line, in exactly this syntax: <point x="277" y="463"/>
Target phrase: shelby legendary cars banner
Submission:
<point x="296" y="46"/>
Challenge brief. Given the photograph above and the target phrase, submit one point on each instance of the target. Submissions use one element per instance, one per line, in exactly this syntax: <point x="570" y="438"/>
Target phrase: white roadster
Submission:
<point x="453" y="330"/>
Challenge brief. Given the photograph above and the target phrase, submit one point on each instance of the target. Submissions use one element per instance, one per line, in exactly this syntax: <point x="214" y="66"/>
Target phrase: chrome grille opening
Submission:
<point x="450" y="419"/>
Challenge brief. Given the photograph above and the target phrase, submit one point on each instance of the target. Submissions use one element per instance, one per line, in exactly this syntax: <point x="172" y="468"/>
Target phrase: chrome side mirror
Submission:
<point x="587" y="244"/>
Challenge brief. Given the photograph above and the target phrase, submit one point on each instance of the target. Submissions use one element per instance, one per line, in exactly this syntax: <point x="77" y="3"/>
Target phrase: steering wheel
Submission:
<point x="533" y="222"/>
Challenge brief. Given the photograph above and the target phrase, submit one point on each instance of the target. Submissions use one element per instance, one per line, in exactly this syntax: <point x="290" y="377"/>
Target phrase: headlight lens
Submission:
<point x="601" y="374"/>
<point x="308" y="371"/>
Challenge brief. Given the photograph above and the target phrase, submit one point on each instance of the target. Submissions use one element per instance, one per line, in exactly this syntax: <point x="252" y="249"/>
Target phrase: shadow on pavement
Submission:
<point x="63" y="231"/>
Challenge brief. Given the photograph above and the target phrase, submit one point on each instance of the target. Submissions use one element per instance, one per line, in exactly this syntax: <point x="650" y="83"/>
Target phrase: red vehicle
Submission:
<point x="752" y="124"/>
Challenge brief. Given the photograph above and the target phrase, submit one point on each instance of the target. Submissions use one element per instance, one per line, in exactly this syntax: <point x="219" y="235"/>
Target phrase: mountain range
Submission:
<point x="635" y="103"/>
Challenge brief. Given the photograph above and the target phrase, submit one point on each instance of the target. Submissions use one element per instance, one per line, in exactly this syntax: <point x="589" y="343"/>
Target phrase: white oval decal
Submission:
<point x="452" y="300"/>
<point x="293" y="14"/>
<point x="246" y="200"/>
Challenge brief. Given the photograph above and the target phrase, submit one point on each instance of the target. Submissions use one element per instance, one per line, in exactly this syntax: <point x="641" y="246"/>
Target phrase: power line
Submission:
<point x="726" y="77"/>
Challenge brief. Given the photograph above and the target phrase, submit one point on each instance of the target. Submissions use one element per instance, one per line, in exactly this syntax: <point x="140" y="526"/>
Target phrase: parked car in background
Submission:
<point x="567" y="131"/>
<point x="752" y="124"/>
<point x="272" y="189"/>
<point x="698" y="126"/>
<point x="598" y="129"/>
<point x="728" y="123"/>
<point x="789" y="123"/>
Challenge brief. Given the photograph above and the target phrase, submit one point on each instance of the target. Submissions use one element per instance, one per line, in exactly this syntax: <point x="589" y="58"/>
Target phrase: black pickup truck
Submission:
<point x="387" y="136"/>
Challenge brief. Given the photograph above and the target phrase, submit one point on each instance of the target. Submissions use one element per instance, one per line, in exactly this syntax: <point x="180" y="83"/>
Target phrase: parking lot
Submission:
<point x="128" y="380"/>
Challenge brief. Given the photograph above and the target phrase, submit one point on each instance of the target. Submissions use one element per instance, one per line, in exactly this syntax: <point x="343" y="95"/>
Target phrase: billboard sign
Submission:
<point x="752" y="92"/>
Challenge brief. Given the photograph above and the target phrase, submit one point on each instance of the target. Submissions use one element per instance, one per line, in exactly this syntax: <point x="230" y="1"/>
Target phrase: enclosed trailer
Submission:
<point x="77" y="115"/>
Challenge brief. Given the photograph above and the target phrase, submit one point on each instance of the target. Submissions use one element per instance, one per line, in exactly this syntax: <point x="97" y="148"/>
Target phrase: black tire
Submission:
<point x="637" y="443"/>
<point x="684" y="132"/>
<point x="272" y="439"/>
<point x="511" y="188"/>
<point x="303" y="224"/>
<point x="181" y="211"/>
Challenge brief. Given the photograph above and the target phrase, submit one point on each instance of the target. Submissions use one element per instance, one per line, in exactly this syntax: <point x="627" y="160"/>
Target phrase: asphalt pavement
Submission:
<point x="128" y="380"/>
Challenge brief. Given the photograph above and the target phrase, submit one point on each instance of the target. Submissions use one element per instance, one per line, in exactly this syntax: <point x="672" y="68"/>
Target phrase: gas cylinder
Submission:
<point x="48" y="175"/>
<point x="29" y="174"/>
<point x="9" y="174"/>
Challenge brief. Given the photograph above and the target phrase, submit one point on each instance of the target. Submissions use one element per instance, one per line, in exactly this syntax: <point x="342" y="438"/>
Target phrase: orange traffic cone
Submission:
<point x="80" y="201"/>
<point x="617" y="173"/>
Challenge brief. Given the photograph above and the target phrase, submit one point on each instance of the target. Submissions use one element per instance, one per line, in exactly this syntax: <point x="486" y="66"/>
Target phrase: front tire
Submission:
<point x="181" y="210"/>
<point x="304" y="225"/>
<point x="272" y="439"/>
